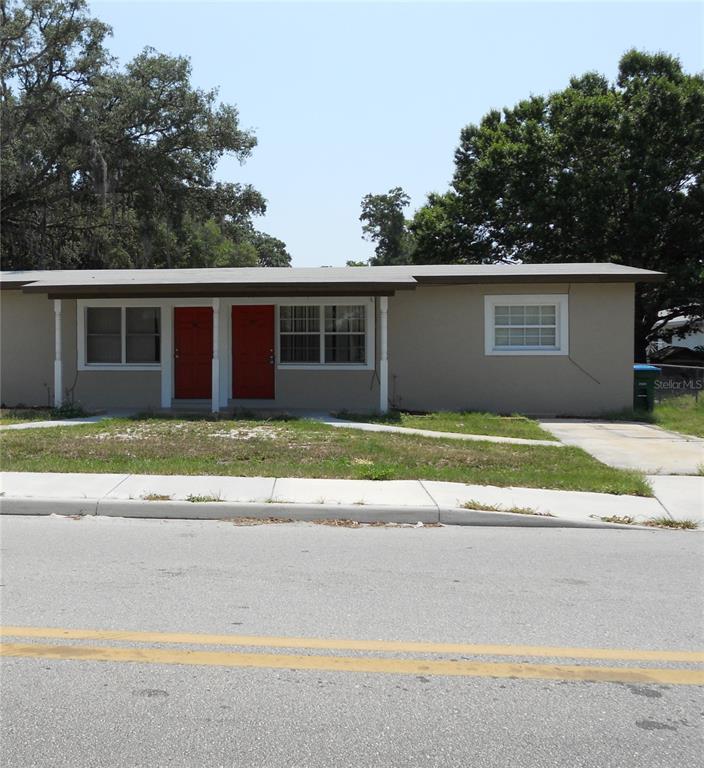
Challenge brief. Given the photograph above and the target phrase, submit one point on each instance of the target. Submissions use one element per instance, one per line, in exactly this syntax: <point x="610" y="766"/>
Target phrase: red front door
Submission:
<point x="193" y="352"/>
<point x="253" y="352"/>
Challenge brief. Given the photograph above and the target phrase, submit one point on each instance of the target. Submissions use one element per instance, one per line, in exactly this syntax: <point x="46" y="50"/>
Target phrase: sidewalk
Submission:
<point x="365" y="501"/>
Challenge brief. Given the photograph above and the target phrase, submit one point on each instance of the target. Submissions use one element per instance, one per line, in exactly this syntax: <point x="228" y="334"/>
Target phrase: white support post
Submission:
<point x="383" y="355"/>
<point x="58" y="366"/>
<point x="216" y="357"/>
<point x="167" y="354"/>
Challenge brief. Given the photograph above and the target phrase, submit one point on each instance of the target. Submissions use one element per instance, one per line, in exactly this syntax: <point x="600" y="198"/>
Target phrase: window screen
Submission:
<point x="103" y="335"/>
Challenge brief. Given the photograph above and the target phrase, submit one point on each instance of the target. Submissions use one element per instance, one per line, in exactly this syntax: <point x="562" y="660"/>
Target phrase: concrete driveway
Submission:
<point x="628" y="445"/>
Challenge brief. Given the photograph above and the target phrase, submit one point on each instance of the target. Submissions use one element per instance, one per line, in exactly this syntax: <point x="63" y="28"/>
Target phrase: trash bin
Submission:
<point x="644" y="377"/>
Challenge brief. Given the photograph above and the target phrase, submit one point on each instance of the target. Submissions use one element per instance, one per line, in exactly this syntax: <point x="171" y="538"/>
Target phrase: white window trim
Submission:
<point x="370" y="333"/>
<point x="82" y="305"/>
<point x="562" y="334"/>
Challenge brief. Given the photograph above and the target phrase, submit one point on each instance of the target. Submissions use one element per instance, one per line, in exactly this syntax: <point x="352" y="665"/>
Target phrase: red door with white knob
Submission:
<point x="253" y="352"/>
<point x="193" y="352"/>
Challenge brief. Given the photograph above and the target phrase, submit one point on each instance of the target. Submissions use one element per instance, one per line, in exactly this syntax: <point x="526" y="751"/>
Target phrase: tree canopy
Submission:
<point x="599" y="171"/>
<point x="383" y="223"/>
<point x="114" y="167"/>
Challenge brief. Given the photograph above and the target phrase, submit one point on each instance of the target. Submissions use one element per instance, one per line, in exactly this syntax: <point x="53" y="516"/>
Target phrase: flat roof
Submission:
<point x="246" y="281"/>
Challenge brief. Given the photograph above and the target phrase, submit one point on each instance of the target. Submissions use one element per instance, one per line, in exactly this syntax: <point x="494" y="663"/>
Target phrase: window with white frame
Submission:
<point x="526" y="324"/>
<point x="299" y="334"/>
<point x="122" y="336"/>
<point x="324" y="334"/>
<point x="345" y="334"/>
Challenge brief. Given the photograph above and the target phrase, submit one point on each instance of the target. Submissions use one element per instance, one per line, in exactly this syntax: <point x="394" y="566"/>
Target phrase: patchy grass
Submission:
<point x="482" y="506"/>
<point x="303" y="449"/>
<point x="683" y="414"/>
<point x="620" y="519"/>
<point x="18" y="415"/>
<point x="156" y="497"/>
<point x="666" y="522"/>
<point x="195" y="499"/>
<point x="465" y="422"/>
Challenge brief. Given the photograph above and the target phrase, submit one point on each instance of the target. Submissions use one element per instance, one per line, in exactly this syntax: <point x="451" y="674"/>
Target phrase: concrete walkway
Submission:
<point x="398" y="501"/>
<point x="371" y="427"/>
<point x="53" y="423"/>
<point x="629" y="445"/>
<point x="69" y="422"/>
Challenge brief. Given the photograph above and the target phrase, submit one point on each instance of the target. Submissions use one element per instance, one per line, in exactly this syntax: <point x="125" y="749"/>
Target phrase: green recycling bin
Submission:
<point x="644" y="377"/>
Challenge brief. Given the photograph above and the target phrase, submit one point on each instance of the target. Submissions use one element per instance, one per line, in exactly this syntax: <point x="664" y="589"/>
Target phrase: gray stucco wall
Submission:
<point x="26" y="349"/>
<point x="27" y="361"/>
<point x="323" y="390"/>
<point x="437" y="360"/>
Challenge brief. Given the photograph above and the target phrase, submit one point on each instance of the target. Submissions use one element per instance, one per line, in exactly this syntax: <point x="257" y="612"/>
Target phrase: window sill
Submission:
<point x="523" y="352"/>
<point x="324" y="367"/>
<point x="119" y="367"/>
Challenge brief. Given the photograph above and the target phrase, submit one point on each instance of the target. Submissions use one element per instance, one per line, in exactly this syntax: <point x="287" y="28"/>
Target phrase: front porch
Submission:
<point x="264" y="354"/>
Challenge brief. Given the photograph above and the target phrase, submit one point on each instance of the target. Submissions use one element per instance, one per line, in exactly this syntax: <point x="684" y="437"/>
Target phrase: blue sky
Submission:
<point x="351" y="98"/>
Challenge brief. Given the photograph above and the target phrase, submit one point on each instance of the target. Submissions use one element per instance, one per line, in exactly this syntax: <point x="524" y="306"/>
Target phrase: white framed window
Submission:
<point x="526" y="324"/>
<point x="345" y="334"/>
<point x="299" y="334"/>
<point x="114" y="335"/>
<point x="326" y="334"/>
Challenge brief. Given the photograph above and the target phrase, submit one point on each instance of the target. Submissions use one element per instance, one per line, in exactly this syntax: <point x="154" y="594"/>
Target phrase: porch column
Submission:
<point x="383" y="354"/>
<point x="167" y="353"/>
<point x="58" y="366"/>
<point x="216" y="357"/>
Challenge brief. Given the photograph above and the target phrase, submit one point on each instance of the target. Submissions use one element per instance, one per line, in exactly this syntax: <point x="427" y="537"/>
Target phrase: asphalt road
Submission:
<point x="516" y="693"/>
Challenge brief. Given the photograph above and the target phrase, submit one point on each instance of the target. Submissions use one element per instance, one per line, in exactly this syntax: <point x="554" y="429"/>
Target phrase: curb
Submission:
<point x="184" y="510"/>
<point x="219" y="510"/>
<point x="28" y="505"/>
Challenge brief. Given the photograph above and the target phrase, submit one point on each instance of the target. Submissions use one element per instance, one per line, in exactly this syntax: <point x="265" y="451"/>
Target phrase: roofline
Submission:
<point x="601" y="277"/>
<point x="61" y="287"/>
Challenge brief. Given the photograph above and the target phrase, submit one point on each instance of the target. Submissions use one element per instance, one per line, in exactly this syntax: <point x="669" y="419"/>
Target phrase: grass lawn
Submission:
<point x="679" y="414"/>
<point x="467" y="422"/>
<point x="294" y="448"/>
<point x="16" y="415"/>
<point x="682" y="414"/>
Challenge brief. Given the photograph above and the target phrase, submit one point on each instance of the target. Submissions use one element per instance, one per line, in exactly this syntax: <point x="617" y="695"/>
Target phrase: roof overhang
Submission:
<point x="606" y="277"/>
<point x="211" y="291"/>
<point x="283" y="282"/>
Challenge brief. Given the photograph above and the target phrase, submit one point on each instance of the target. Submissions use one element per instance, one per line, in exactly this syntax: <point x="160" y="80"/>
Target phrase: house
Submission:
<point x="537" y="339"/>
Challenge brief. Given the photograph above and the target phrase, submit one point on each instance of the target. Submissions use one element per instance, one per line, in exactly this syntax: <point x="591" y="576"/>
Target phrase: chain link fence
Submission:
<point x="677" y="380"/>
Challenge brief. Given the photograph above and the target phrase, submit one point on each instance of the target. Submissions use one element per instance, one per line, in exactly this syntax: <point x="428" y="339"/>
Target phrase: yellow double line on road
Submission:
<point x="332" y="663"/>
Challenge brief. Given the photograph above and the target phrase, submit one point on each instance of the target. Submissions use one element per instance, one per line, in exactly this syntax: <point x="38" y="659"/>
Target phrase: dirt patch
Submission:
<point x="253" y="433"/>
